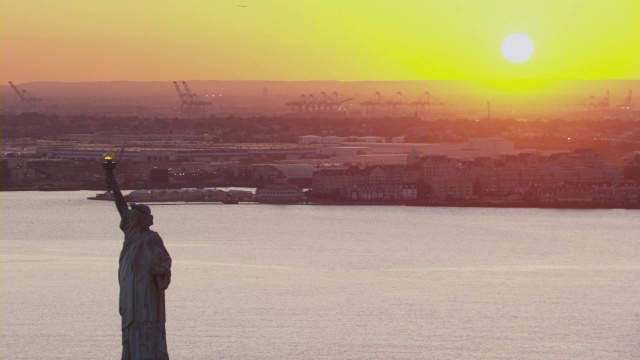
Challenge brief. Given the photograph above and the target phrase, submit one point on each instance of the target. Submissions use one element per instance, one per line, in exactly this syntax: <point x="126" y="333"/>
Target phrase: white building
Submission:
<point x="280" y="192"/>
<point x="310" y="139"/>
<point x="471" y="149"/>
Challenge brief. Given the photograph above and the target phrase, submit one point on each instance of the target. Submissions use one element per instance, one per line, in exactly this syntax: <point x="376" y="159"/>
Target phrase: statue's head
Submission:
<point x="141" y="215"/>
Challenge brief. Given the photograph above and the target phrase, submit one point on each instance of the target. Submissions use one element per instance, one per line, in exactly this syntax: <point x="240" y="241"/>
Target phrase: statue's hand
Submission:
<point x="108" y="165"/>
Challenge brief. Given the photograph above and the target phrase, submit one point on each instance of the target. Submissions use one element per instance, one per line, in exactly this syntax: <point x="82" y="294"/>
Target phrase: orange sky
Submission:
<point x="70" y="40"/>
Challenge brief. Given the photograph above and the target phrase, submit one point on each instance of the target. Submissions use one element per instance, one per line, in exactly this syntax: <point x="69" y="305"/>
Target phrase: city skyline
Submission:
<point x="296" y="41"/>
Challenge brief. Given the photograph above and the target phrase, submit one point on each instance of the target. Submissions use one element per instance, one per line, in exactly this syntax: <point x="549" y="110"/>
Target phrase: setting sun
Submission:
<point x="517" y="48"/>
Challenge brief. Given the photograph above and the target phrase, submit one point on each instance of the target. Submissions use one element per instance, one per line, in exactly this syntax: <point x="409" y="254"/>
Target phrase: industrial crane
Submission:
<point x="628" y="101"/>
<point x="299" y="103"/>
<point x="425" y="100"/>
<point x="317" y="102"/>
<point x="180" y="94"/>
<point x="189" y="94"/>
<point x="604" y="103"/>
<point x="183" y="99"/>
<point x="24" y="95"/>
<point x="311" y="102"/>
<point x="598" y="104"/>
<point x="374" y="102"/>
<point x="396" y="102"/>
<point x="189" y="102"/>
<point x="333" y="101"/>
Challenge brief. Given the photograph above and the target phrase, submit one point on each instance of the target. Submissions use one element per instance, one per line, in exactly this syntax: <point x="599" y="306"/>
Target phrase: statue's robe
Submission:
<point x="144" y="274"/>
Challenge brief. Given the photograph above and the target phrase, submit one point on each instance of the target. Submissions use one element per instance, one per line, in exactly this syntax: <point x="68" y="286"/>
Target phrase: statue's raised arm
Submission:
<point x="112" y="184"/>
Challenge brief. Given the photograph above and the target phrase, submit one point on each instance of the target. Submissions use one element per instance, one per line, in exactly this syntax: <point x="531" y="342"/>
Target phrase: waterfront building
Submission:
<point x="387" y="182"/>
<point x="438" y="166"/>
<point x="382" y="192"/>
<point x="185" y="194"/>
<point x="365" y="139"/>
<point x="327" y="181"/>
<point x="468" y="150"/>
<point x="281" y="191"/>
<point x="17" y="171"/>
<point x="632" y="168"/>
<point x="300" y="174"/>
<point x="505" y="177"/>
<point x="336" y="140"/>
<point x="310" y="139"/>
<point x="451" y="189"/>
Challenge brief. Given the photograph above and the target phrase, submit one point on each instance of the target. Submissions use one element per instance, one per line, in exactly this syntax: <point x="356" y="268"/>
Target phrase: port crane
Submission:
<point x="183" y="98"/>
<point x="374" y="103"/>
<point x="594" y="103"/>
<point x="191" y="96"/>
<point x="189" y="103"/>
<point x="333" y="100"/>
<point x="24" y="95"/>
<point x="396" y="103"/>
<point x="321" y="102"/>
<point x="299" y="103"/>
<point x="628" y="101"/>
<point x="425" y="101"/>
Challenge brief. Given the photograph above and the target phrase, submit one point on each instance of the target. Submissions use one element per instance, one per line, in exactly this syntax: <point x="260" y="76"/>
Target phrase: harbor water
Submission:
<point x="256" y="281"/>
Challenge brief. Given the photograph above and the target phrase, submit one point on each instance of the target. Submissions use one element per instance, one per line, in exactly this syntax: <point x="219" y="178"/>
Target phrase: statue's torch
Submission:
<point x="109" y="164"/>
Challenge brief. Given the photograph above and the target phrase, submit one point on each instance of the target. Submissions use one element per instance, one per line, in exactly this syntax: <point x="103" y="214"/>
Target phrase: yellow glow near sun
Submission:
<point x="517" y="48"/>
<point x="414" y="40"/>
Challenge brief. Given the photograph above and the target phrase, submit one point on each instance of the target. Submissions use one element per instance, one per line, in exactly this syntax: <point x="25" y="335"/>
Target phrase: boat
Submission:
<point x="230" y="199"/>
<point x="280" y="192"/>
<point x="102" y="196"/>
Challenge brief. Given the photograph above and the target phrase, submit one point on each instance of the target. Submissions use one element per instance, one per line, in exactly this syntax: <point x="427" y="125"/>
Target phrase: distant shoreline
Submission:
<point x="524" y="205"/>
<point x="470" y="204"/>
<point x="490" y="204"/>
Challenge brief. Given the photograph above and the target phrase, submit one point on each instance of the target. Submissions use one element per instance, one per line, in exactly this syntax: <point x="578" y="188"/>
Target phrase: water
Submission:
<point x="328" y="282"/>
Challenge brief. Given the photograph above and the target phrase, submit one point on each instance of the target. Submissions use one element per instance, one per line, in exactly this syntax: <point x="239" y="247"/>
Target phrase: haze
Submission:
<point x="74" y="41"/>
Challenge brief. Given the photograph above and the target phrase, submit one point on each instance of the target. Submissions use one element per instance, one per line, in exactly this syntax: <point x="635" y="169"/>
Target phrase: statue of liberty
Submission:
<point x="144" y="274"/>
